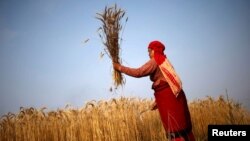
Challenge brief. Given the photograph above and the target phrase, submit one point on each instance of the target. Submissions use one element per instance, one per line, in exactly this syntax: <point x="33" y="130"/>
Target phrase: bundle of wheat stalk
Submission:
<point x="109" y="33"/>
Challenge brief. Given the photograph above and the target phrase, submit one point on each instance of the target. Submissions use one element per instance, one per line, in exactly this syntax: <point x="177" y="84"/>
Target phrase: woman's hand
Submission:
<point x="153" y="106"/>
<point x="117" y="66"/>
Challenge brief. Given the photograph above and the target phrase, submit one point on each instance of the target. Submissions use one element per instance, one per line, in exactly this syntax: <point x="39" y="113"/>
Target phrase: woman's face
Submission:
<point x="150" y="53"/>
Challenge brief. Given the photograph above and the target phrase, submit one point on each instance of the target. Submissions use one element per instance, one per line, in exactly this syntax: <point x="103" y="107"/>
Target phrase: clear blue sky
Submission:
<point x="44" y="62"/>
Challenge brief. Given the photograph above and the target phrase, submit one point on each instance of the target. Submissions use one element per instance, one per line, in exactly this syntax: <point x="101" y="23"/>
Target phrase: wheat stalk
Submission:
<point x="109" y="33"/>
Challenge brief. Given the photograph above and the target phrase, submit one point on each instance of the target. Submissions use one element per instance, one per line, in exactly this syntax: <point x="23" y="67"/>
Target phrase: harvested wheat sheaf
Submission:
<point x="109" y="33"/>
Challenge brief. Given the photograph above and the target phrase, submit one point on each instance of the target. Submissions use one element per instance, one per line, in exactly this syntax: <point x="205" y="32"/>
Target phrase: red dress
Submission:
<point x="173" y="110"/>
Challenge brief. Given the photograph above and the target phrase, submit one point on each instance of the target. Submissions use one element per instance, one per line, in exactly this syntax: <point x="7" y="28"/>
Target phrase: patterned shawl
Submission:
<point x="166" y="67"/>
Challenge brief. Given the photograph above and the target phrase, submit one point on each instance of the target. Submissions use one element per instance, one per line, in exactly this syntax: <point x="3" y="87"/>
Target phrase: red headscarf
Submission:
<point x="158" y="48"/>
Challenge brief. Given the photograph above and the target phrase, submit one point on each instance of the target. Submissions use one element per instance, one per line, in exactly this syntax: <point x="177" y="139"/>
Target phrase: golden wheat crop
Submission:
<point x="216" y="111"/>
<point x="123" y="119"/>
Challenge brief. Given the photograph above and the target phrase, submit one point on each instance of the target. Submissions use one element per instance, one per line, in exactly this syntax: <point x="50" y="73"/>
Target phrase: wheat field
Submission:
<point x="121" y="119"/>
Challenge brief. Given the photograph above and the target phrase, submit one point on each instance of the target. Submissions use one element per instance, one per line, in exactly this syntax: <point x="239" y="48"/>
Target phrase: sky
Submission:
<point x="44" y="61"/>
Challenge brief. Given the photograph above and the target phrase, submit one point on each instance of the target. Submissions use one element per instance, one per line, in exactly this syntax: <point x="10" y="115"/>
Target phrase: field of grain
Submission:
<point x="123" y="119"/>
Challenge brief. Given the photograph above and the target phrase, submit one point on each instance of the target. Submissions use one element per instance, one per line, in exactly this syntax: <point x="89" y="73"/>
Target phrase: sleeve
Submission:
<point x="145" y="70"/>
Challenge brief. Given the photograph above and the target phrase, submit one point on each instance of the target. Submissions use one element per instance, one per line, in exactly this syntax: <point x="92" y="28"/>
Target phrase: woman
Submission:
<point x="170" y="99"/>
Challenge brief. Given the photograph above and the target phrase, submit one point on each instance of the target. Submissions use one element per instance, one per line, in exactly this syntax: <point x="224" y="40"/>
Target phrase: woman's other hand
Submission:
<point x="154" y="106"/>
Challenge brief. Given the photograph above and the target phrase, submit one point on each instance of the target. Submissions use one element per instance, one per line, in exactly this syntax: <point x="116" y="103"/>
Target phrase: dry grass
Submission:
<point x="114" y="120"/>
<point x="110" y="33"/>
